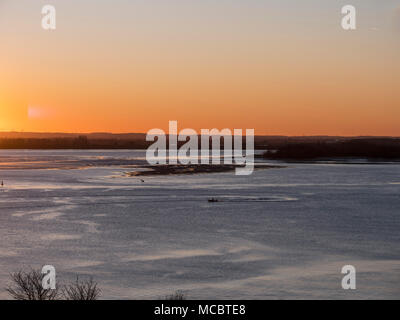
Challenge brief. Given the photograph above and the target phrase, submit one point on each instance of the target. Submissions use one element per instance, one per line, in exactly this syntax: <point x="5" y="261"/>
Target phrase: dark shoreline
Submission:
<point x="333" y="160"/>
<point x="161" y="170"/>
<point x="328" y="145"/>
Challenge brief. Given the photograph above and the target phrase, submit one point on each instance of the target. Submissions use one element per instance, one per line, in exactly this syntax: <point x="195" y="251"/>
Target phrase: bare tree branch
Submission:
<point x="178" y="295"/>
<point x="28" y="286"/>
<point x="81" y="290"/>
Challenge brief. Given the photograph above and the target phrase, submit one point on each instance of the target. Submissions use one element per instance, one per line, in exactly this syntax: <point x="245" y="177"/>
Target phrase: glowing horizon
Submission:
<point x="129" y="66"/>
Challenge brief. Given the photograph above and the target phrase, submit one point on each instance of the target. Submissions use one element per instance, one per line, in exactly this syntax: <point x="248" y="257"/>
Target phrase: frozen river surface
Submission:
<point x="277" y="234"/>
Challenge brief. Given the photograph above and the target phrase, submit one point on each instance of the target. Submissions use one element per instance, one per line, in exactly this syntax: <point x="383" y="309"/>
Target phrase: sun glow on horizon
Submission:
<point x="278" y="67"/>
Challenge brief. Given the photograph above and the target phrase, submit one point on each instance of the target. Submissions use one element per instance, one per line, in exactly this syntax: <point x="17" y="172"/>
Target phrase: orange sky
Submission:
<point x="276" y="68"/>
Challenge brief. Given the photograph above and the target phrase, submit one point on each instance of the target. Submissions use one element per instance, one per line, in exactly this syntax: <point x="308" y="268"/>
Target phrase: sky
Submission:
<point x="277" y="66"/>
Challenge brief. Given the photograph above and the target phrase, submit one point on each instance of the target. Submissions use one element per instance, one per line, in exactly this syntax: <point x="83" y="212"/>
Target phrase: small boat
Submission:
<point x="213" y="200"/>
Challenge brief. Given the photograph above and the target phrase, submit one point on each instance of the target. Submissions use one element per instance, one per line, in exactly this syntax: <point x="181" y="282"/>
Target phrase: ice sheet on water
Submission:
<point x="277" y="233"/>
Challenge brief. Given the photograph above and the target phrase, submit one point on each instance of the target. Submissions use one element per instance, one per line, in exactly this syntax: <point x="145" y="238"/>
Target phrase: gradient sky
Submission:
<point x="278" y="66"/>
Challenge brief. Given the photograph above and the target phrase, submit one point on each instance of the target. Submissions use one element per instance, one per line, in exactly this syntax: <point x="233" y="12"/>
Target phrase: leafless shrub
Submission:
<point x="81" y="290"/>
<point x="178" y="295"/>
<point x="28" y="286"/>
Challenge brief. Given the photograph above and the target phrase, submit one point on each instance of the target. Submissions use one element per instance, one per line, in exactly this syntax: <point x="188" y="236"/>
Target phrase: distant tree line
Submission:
<point x="81" y="142"/>
<point x="279" y="147"/>
<point x="379" y="148"/>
